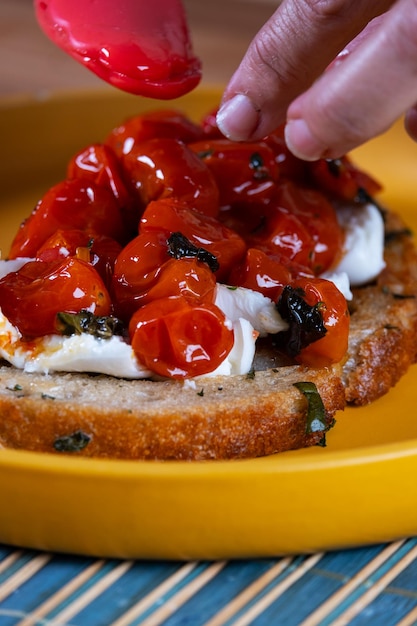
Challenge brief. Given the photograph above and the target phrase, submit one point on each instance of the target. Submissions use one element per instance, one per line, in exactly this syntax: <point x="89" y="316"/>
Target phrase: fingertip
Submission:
<point x="301" y="141"/>
<point x="238" y="118"/>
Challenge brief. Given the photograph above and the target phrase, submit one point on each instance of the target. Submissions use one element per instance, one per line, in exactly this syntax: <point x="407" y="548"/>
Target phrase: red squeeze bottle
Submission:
<point x="139" y="46"/>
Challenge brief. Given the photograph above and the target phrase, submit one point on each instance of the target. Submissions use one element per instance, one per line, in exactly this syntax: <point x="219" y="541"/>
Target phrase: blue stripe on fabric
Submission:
<point x="296" y="562"/>
<point x="5" y="551"/>
<point x="108" y="566"/>
<point x="199" y="569"/>
<point x="398" y="598"/>
<point x="234" y="578"/>
<point x="298" y="601"/>
<point x="348" y="563"/>
<point x="142" y="578"/>
<point x="24" y="558"/>
<point x="305" y="595"/>
<point x="374" y="578"/>
<point x="382" y="610"/>
<point x="44" y="583"/>
<point x="302" y="598"/>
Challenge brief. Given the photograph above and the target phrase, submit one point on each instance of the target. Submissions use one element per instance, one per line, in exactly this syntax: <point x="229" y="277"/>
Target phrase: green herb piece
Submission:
<point x="256" y="163"/>
<point x="102" y="327"/>
<point x="75" y="442"/>
<point x="403" y="296"/>
<point x="251" y="374"/>
<point x="179" y="247"/>
<point x="393" y="235"/>
<point x="334" y="167"/>
<point x="316" y="413"/>
<point x="305" y="322"/>
<point x="16" y="389"/>
<point x="363" y="197"/>
<point x="397" y="296"/>
<point x="201" y="392"/>
<point x="205" y="154"/>
<point x="46" y="396"/>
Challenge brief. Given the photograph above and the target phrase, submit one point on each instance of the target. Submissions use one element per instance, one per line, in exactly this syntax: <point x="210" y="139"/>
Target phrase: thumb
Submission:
<point x="285" y="58"/>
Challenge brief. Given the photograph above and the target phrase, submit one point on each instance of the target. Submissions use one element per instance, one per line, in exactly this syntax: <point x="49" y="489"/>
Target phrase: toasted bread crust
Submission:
<point x="383" y="329"/>
<point x="224" y="417"/>
<point x="220" y="418"/>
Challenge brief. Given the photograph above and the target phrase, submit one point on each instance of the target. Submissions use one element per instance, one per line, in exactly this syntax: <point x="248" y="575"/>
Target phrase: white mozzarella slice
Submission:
<point x="363" y="257"/>
<point x="260" y="311"/>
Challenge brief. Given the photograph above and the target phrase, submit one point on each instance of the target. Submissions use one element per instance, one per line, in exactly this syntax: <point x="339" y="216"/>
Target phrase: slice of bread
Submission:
<point x="224" y="417"/>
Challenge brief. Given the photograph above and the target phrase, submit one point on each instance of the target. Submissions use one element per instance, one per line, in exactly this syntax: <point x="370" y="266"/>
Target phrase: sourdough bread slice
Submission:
<point x="223" y="417"/>
<point x="219" y="418"/>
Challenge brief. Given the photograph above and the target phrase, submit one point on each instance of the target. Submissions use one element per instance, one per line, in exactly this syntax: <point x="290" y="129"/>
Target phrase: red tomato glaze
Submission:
<point x="139" y="46"/>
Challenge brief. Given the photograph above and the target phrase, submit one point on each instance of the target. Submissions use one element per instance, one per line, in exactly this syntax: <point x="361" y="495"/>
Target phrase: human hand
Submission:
<point x="370" y="54"/>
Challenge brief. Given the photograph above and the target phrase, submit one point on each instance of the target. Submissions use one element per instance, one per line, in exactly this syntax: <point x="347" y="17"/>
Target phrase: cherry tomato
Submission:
<point x="175" y="338"/>
<point x="244" y="172"/>
<point x="64" y="243"/>
<point x="289" y="166"/>
<point x="150" y="273"/>
<point x="285" y="234"/>
<point x="342" y="179"/>
<point x="71" y="204"/>
<point x="247" y="220"/>
<point x="301" y="225"/>
<point x="162" y="123"/>
<point x="99" y="164"/>
<point x="170" y="216"/>
<point x="31" y="297"/>
<point x="136" y="270"/>
<point x="166" y="168"/>
<point x="268" y="274"/>
<point x="318" y="216"/>
<point x="186" y="277"/>
<point x="332" y="347"/>
<point x="103" y="254"/>
<point x="99" y="250"/>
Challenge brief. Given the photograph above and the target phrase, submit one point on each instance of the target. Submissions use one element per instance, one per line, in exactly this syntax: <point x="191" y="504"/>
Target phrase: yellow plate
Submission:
<point x="362" y="488"/>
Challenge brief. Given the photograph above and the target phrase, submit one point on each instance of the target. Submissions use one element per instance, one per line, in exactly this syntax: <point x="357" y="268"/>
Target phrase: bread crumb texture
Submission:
<point x="225" y="417"/>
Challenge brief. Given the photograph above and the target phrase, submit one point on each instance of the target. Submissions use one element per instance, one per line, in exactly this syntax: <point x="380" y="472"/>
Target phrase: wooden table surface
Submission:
<point x="221" y="31"/>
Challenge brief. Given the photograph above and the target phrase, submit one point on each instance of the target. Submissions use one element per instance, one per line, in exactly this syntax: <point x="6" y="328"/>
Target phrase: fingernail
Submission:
<point x="301" y="142"/>
<point x="238" y="118"/>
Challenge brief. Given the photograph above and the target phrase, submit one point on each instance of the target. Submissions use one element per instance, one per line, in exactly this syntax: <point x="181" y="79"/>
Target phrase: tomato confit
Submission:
<point x="146" y="225"/>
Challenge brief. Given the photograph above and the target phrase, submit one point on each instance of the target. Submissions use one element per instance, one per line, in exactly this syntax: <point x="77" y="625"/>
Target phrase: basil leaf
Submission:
<point x="75" y="442"/>
<point x="316" y="413"/>
<point x="179" y="247"/>
<point x="102" y="327"/>
<point x="305" y="322"/>
<point x="257" y="164"/>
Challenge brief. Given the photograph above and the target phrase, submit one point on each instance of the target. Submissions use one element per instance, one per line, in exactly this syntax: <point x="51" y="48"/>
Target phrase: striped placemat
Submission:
<point x="371" y="585"/>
